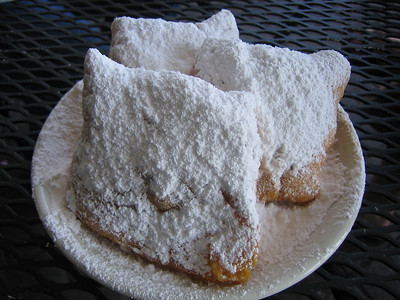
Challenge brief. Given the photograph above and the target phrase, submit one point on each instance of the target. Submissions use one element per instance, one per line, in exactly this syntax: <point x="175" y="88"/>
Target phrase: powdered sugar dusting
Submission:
<point x="295" y="222"/>
<point x="113" y="267"/>
<point x="179" y="138"/>
<point x="202" y="151"/>
<point x="157" y="44"/>
<point x="294" y="92"/>
<point x="69" y="128"/>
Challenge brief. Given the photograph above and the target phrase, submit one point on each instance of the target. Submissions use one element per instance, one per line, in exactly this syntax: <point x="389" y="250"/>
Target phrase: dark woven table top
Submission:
<point x="42" y="46"/>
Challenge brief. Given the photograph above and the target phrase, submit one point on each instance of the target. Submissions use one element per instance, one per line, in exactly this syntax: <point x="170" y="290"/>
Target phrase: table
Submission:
<point x="42" y="47"/>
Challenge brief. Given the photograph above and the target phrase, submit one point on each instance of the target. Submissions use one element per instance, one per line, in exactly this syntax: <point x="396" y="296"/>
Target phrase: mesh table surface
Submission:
<point x="42" y="46"/>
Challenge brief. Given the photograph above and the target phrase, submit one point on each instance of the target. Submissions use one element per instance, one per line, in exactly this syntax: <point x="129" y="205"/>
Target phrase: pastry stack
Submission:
<point x="186" y="128"/>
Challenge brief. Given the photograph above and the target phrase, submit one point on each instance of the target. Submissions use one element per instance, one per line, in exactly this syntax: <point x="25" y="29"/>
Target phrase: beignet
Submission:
<point x="167" y="167"/>
<point x="156" y="44"/>
<point x="171" y="166"/>
<point x="297" y="96"/>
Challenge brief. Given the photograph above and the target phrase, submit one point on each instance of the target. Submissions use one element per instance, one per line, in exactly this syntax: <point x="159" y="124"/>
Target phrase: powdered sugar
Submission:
<point x="70" y="129"/>
<point x="225" y="126"/>
<point x="157" y="44"/>
<point x="294" y="93"/>
<point x="303" y="244"/>
<point x="181" y="139"/>
<point x="296" y="222"/>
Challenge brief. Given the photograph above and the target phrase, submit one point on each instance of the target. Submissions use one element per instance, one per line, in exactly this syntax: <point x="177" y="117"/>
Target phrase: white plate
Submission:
<point x="331" y="220"/>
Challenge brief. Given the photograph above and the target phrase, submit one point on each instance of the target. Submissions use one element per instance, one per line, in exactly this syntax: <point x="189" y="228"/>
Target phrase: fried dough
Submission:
<point x="167" y="167"/>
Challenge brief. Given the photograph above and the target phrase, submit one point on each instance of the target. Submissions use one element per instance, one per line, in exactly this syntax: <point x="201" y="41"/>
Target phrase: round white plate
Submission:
<point x="334" y="215"/>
